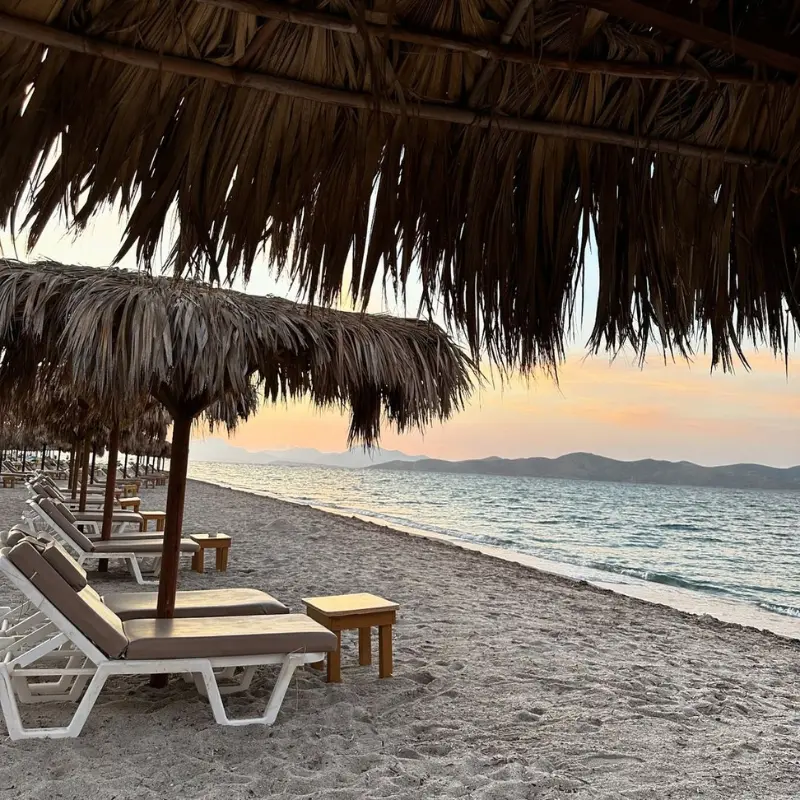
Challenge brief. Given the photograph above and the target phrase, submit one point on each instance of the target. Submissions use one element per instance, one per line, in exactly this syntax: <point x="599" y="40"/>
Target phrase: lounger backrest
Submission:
<point x="65" y="511"/>
<point x="39" y="490"/>
<point x="49" y="491"/>
<point x="83" y="609"/>
<point x="66" y="527"/>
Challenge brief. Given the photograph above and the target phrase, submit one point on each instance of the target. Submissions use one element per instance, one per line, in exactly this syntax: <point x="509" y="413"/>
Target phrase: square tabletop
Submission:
<point x="344" y="605"/>
<point x="207" y="538"/>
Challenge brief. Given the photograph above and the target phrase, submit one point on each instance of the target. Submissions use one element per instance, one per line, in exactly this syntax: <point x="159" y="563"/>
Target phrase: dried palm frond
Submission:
<point x="115" y="336"/>
<point x="480" y="143"/>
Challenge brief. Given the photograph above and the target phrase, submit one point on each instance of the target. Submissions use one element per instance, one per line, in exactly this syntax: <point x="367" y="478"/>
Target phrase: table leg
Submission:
<point x="197" y="561"/>
<point x="385" y="651"/>
<point x="364" y="646"/>
<point x="335" y="661"/>
<point x="160" y="524"/>
<point x="222" y="559"/>
<point x="143" y="525"/>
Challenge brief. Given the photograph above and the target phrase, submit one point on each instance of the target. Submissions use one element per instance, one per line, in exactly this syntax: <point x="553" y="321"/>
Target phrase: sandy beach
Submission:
<point x="509" y="683"/>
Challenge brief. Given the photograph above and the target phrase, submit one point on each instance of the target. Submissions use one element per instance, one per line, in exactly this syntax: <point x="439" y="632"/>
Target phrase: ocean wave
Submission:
<point x="654" y="576"/>
<point x="777" y="608"/>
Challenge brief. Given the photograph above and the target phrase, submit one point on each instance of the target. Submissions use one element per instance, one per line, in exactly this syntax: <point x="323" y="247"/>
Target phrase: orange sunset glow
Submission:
<point x="674" y="411"/>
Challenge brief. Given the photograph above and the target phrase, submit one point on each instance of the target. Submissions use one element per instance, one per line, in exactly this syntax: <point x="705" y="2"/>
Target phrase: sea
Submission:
<point x="730" y="554"/>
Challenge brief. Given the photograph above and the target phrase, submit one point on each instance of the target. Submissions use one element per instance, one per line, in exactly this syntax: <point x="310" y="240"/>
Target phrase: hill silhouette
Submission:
<point x="589" y="467"/>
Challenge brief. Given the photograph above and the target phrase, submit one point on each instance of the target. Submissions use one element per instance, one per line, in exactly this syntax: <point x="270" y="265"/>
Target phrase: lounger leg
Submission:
<point x="229" y="673"/>
<point x="289" y="665"/>
<point x="17" y="731"/>
<point x="133" y="566"/>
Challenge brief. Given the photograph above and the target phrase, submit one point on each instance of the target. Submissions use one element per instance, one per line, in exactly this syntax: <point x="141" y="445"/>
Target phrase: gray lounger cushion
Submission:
<point x="147" y="546"/>
<point x="116" y="516"/>
<point x="69" y="569"/>
<point x="96" y="622"/>
<point x="226" y="636"/>
<point x="203" y="603"/>
<point x="66" y="526"/>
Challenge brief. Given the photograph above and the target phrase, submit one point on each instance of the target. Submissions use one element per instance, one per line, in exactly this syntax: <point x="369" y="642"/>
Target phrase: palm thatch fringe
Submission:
<point x="122" y="336"/>
<point x="349" y="156"/>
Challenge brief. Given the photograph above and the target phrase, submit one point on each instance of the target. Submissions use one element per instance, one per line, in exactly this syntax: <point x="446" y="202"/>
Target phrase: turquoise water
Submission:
<point x="740" y="546"/>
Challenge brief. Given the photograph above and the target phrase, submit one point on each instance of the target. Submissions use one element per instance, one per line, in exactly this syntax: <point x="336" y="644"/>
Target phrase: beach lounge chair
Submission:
<point x="16" y="622"/>
<point x="43" y="488"/>
<point x="79" y="629"/>
<point x="129" y="550"/>
<point x="91" y="523"/>
<point x="91" y="520"/>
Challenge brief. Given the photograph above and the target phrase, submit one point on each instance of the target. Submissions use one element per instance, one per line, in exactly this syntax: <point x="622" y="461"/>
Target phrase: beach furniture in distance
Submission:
<point x="129" y="550"/>
<point x="220" y="542"/>
<point x="130" y="502"/>
<point x="83" y="630"/>
<point x="360" y="612"/>
<point x="91" y="520"/>
<point x="159" y="517"/>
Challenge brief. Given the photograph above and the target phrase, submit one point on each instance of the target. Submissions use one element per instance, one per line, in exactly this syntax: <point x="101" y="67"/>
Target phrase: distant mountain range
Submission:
<point x="222" y="452"/>
<point x="588" y="467"/>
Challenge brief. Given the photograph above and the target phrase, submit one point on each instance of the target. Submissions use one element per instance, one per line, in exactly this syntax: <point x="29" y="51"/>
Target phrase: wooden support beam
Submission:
<point x="502" y="52"/>
<point x="302" y="90"/>
<point x="745" y="37"/>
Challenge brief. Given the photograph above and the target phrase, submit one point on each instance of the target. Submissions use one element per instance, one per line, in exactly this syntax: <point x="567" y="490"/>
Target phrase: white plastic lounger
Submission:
<point x="93" y="522"/>
<point x="231" y="602"/>
<point x="95" y="644"/>
<point x="127" y="550"/>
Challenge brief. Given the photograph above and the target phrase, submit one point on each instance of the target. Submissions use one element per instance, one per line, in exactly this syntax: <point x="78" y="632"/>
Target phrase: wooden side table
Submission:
<point x="133" y="503"/>
<point x="159" y="517"/>
<point x="221" y="543"/>
<point x="9" y="481"/>
<point x="360" y="612"/>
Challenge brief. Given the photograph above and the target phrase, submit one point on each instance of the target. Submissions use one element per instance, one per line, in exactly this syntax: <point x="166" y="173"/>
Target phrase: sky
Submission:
<point x="674" y="411"/>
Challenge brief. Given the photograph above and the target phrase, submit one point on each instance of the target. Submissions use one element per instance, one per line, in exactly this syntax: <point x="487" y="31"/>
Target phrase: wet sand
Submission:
<point x="509" y="683"/>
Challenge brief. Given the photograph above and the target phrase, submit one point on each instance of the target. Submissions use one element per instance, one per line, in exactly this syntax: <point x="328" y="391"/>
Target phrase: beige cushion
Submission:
<point x="216" y="637"/>
<point x="15" y="537"/>
<point x="69" y="569"/>
<point x="144" y="546"/>
<point x="66" y="526"/>
<point x="96" y="622"/>
<point x="66" y="512"/>
<point x="97" y="516"/>
<point x="202" y="603"/>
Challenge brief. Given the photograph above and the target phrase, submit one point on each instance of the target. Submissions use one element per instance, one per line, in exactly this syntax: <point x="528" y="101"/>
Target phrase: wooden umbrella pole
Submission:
<point x="84" y="474"/>
<point x="24" y="456"/>
<point x="125" y="467"/>
<point x="58" y="460"/>
<point x="44" y="454"/>
<point x="94" y="459"/>
<point x="173" y="526"/>
<point x="136" y="468"/>
<point x="111" y="480"/>
<point x="72" y="475"/>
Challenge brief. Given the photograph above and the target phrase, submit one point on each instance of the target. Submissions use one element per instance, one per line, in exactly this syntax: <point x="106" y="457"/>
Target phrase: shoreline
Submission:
<point x="697" y="605"/>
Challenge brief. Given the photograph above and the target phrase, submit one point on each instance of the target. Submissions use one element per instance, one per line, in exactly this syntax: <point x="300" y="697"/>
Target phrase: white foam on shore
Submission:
<point x="691" y="602"/>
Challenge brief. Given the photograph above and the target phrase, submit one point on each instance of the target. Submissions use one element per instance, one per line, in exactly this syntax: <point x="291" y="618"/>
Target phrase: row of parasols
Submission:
<point x="105" y="350"/>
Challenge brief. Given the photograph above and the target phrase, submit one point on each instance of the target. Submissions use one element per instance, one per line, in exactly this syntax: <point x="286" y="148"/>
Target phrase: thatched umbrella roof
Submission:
<point x="493" y="137"/>
<point x="120" y="335"/>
